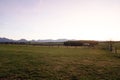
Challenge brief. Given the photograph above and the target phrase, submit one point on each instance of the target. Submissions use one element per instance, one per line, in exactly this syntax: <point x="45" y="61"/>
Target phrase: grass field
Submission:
<point x="27" y="62"/>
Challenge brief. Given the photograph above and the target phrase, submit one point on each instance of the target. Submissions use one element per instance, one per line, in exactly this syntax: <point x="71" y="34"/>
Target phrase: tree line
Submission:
<point x="81" y="43"/>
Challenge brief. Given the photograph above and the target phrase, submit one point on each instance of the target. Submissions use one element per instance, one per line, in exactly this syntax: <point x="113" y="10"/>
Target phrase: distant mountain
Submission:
<point x="50" y="40"/>
<point x="6" y="40"/>
<point x="46" y="40"/>
<point x="24" y="40"/>
<point x="11" y="40"/>
<point x="60" y="40"/>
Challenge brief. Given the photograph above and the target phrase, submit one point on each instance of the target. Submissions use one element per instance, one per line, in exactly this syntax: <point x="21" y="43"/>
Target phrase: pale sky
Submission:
<point x="54" y="19"/>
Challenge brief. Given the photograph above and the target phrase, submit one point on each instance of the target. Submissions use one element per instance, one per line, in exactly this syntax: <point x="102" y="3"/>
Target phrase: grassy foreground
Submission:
<point x="52" y="63"/>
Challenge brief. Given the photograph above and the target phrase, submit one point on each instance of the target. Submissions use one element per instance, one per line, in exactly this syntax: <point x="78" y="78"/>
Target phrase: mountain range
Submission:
<point x="24" y="40"/>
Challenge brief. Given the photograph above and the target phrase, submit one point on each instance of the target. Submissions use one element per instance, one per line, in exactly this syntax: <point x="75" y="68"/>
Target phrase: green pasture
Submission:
<point x="27" y="62"/>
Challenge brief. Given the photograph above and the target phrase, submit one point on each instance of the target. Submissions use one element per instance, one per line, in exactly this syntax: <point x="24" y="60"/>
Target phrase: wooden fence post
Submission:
<point x="115" y="50"/>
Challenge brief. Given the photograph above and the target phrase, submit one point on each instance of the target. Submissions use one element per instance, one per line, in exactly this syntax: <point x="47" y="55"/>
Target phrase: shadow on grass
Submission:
<point x="117" y="56"/>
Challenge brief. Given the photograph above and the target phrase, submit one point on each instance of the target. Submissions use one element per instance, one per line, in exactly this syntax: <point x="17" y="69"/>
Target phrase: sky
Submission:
<point x="58" y="19"/>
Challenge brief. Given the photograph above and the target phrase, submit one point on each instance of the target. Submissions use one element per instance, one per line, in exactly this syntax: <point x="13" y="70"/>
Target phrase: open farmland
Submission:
<point x="27" y="62"/>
